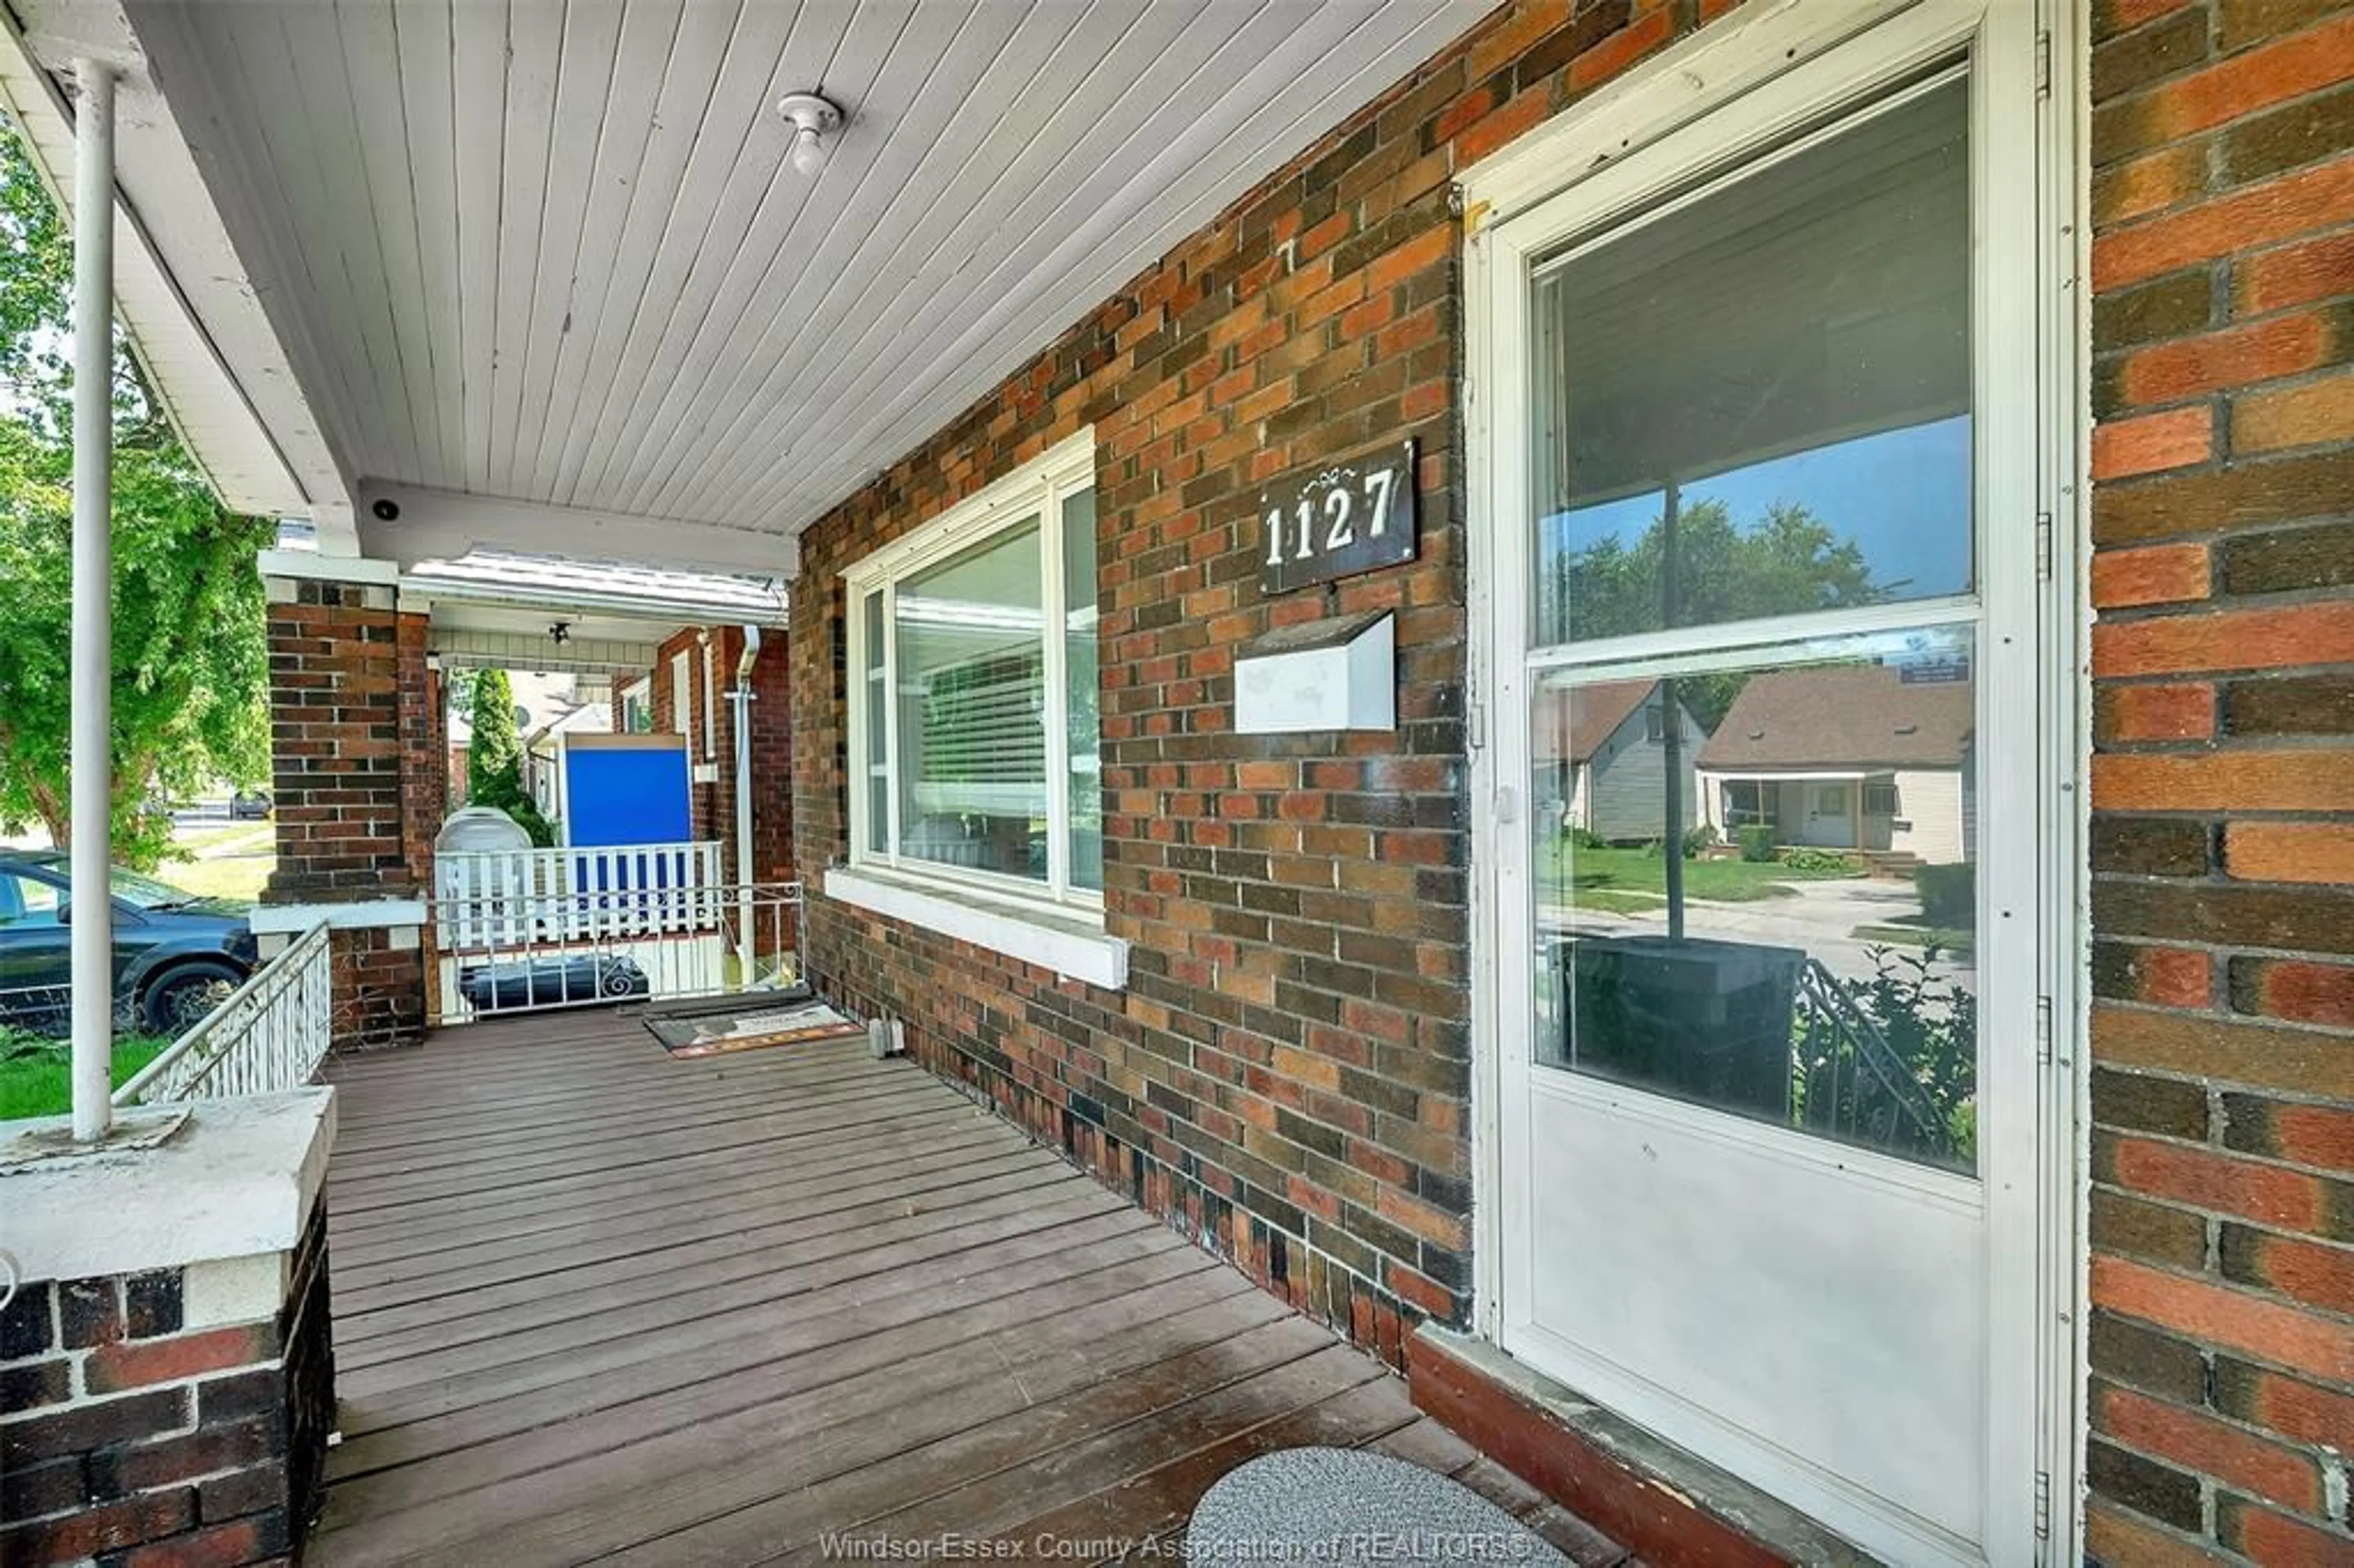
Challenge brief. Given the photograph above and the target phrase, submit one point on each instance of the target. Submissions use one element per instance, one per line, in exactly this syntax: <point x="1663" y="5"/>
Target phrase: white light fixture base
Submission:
<point x="813" y="120"/>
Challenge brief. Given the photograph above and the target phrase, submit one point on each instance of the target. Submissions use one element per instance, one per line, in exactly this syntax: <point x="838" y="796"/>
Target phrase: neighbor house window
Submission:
<point x="973" y="701"/>
<point x="1880" y="799"/>
<point x="637" y="716"/>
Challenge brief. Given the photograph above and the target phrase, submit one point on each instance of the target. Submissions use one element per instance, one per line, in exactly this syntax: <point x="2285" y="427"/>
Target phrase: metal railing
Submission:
<point x="1852" y="1083"/>
<point x="508" y="953"/>
<point x="486" y="896"/>
<point x="270" y="1034"/>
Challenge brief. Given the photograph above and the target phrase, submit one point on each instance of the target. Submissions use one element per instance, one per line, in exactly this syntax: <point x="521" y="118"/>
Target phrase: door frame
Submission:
<point x="2035" y="1219"/>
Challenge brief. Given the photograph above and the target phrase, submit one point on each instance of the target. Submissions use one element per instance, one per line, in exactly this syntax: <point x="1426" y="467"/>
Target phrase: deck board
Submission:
<point x="595" y="1303"/>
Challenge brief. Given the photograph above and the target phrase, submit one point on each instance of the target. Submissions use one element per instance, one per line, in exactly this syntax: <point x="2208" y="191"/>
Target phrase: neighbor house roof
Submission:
<point x="1843" y="716"/>
<point x="588" y="718"/>
<point x="1591" y="715"/>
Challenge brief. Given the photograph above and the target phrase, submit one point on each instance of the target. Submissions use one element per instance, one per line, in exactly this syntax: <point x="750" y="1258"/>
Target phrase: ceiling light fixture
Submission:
<point x="813" y="118"/>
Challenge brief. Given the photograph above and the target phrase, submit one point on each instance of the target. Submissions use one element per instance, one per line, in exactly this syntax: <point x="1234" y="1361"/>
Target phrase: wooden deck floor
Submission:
<point x="592" y="1303"/>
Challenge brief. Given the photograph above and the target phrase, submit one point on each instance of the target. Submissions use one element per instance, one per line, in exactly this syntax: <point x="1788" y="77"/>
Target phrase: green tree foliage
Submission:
<point x="191" y="662"/>
<point x="459" y="686"/>
<point x="1788" y="564"/>
<point x="495" y="757"/>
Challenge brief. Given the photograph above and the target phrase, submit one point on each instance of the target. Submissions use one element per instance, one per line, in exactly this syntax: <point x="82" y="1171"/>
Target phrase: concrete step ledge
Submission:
<point x="1666" y="1506"/>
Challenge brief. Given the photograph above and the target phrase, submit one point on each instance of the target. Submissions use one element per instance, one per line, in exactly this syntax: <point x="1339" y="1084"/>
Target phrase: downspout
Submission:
<point x="742" y="698"/>
<point x="91" y="748"/>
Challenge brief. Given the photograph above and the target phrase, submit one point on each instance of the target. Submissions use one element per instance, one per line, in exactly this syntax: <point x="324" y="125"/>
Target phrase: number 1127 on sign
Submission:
<point x="1351" y="516"/>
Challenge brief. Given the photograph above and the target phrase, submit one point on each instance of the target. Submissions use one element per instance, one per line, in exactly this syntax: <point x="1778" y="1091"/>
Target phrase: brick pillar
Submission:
<point x="424" y="749"/>
<point x="358" y="783"/>
<point x="2221" y="1393"/>
<point x="166" y="1391"/>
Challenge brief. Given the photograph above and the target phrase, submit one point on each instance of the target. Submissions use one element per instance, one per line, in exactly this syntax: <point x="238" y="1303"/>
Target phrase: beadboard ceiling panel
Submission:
<point x="550" y="251"/>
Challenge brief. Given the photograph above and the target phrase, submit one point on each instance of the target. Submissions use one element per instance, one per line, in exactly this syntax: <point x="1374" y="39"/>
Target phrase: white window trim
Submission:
<point x="1064" y="940"/>
<point x="1038" y="922"/>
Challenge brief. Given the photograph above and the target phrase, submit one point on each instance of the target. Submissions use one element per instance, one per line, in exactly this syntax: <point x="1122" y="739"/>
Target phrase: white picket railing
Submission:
<point x="270" y="1034"/>
<point x="503" y="898"/>
<point x="525" y="955"/>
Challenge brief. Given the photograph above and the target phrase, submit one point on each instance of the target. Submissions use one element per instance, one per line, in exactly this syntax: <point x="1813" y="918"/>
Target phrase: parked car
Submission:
<point x="551" y="980"/>
<point x="249" y="806"/>
<point x="177" y="954"/>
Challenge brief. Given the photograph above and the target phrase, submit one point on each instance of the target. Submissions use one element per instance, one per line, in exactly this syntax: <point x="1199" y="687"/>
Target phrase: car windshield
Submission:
<point x="146" y="892"/>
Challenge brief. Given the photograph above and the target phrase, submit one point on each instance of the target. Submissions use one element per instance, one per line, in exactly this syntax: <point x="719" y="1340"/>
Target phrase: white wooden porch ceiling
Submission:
<point x="550" y="250"/>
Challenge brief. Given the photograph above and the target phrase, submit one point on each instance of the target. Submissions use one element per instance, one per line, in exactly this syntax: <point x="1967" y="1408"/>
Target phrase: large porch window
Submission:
<point x="974" y="713"/>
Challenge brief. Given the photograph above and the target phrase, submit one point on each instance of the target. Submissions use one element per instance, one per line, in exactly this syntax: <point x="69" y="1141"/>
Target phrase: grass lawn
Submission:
<point x="1631" y="871"/>
<point x="231" y="862"/>
<point x="41" y="1083"/>
<point x="225" y="838"/>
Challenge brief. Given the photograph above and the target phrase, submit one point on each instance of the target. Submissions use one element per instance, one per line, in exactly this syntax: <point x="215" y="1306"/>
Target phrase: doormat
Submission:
<point x="715" y="1034"/>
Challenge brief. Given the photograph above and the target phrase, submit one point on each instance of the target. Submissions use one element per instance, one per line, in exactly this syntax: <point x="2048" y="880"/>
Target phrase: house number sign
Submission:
<point x="1338" y="519"/>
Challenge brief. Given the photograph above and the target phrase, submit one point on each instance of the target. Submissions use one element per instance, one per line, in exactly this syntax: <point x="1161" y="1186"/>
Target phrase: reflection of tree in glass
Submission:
<point x="1788" y="564"/>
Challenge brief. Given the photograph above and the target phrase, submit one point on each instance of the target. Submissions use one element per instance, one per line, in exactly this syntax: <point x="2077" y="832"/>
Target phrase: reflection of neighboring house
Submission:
<point x="1851" y="757"/>
<point x="1607" y="747"/>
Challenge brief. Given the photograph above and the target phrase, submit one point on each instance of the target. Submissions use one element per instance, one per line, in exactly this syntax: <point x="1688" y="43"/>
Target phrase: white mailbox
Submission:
<point x="1339" y="674"/>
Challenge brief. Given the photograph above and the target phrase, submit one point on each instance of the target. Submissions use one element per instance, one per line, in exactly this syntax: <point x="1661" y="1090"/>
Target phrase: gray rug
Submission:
<point x="1322" y="1506"/>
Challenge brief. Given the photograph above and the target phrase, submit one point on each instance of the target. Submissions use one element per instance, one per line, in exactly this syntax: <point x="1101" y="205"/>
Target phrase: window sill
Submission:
<point x="1069" y="944"/>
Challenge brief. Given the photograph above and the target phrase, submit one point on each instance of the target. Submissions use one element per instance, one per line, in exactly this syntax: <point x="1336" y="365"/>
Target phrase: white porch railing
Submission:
<point x="519" y="954"/>
<point x="270" y="1034"/>
<point x="503" y="898"/>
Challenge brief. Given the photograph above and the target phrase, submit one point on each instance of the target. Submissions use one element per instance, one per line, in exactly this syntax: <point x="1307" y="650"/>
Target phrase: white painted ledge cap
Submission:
<point x="237" y="1178"/>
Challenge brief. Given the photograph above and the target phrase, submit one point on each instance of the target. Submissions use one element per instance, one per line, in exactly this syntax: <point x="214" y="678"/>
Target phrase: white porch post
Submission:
<point x="93" y="575"/>
<point x="745" y="948"/>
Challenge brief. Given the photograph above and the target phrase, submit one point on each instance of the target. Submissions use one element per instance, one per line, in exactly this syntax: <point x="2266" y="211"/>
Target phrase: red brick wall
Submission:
<point x="772" y="751"/>
<point x="772" y="758"/>
<point x="335" y="711"/>
<point x="357" y="749"/>
<point x="1286" y="1076"/>
<point x="424" y="749"/>
<point x="712" y="805"/>
<point x="2221" y="1388"/>
<point x="378" y="983"/>
<point x="670" y="703"/>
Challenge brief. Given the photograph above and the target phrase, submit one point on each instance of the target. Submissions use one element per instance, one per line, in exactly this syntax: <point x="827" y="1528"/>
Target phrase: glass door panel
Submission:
<point x="1755" y="400"/>
<point x="1753" y="973"/>
<point x="1752" y="404"/>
